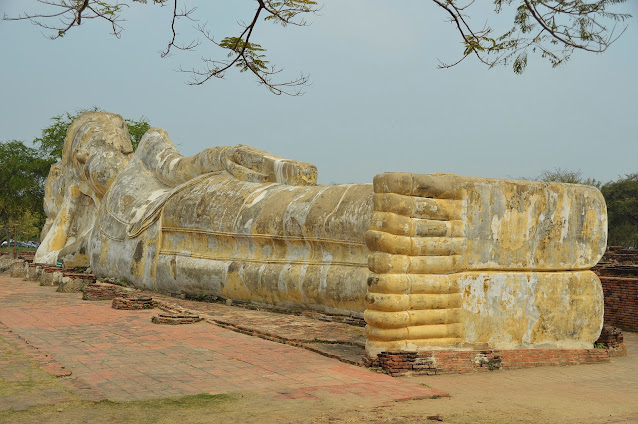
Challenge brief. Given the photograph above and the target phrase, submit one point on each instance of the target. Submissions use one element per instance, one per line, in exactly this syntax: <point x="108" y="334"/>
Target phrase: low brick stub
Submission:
<point x="101" y="292"/>
<point x="433" y="362"/>
<point x="133" y="303"/>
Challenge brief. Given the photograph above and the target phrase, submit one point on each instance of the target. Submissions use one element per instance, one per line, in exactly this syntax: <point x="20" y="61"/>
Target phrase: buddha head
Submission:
<point x="97" y="147"/>
<point x="96" y="150"/>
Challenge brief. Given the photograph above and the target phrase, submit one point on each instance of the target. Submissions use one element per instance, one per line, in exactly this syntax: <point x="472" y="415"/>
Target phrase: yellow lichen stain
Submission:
<point x="569" y="308"/>
<point x="514" y="329"/>
<point x="234" y="287"/>
<point x="591" y="224"/>
<point x="467" y="295"/>
<point x="477" y="326"/>
<point x="78" y="259"/>
<point x="292" y="278"/>
<point x="126" y="202"/>
<point x="311" y="281"/>
<point x="138" y="261"/>
<point x="548" y="302"/>
<point x="58" y="240"/>
<point x="104" y="251"/>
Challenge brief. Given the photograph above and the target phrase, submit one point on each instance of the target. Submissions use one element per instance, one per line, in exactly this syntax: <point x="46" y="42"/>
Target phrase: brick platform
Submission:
<point x="459" y="362"/>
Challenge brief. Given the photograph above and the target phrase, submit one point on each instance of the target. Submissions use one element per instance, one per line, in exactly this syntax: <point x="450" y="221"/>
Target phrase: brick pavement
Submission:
<point x="332" y="339"/>
<point x="121" y="355"/>
<point x="285" y="326"/>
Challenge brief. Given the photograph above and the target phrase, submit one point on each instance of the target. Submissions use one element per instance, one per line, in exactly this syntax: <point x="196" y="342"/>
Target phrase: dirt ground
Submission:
<point x="252" y="408"/>
<point x="542" y="395"/>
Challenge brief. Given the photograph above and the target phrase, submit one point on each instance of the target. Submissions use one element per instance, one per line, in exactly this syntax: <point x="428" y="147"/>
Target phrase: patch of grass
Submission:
<point x="30" y="385"/>
<point x="199" y="408"/>
<point x="202" y="399"/>
<point x="20" y="249"/>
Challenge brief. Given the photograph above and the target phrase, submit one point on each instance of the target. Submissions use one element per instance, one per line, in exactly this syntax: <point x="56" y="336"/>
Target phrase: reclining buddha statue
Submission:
<point x="429" y="260"/>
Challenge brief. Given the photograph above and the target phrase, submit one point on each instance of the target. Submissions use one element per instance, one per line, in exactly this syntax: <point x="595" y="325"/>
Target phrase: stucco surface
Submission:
<point x="477" y="263"/>
<point x="430" y="260"/>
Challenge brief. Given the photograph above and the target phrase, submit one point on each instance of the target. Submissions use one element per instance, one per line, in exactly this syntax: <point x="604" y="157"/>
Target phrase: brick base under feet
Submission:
<point x="464" y="361"/>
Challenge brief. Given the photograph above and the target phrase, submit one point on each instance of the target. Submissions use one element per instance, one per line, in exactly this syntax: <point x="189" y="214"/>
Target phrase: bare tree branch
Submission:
<point x="73" y="13"/>
<point x="552" y="28"/>
<point x="249" y="56"/>
<point x="218" y="72"/>
<point x="565" y="26"/>
<point x="84" y="5"/>
<point x="172" y="44"/>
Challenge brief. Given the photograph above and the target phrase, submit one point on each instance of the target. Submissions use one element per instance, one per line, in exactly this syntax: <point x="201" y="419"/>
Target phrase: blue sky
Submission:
<point x="377" y="101"/>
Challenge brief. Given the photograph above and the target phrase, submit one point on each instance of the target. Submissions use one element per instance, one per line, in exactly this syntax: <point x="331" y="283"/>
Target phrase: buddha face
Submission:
<point x="102" y="149"/>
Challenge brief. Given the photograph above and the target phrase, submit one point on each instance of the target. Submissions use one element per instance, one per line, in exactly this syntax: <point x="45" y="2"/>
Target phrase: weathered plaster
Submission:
<point x="431" y="261"/>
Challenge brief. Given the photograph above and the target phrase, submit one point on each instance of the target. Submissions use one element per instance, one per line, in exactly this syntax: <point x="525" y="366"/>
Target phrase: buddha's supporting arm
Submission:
<point x="243" y="162"/>
<point x="57" y="236"/>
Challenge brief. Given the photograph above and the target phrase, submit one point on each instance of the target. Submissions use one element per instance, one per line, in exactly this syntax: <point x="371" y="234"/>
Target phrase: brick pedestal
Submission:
<point x="464" y="361"/>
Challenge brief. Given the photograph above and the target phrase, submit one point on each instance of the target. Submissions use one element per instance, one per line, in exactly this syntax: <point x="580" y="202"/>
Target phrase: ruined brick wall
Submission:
<point x="618" y="272"/>
<point x="621" y="302"/>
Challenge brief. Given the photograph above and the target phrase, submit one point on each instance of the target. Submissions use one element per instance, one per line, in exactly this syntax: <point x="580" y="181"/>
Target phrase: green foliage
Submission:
<point x="137" y="129"/>
<point x="287" y="10"/>
<point x="30" y="224"/>
<point x="22" y="177"/>
<point x="24" y="172"/>
<point x="622" y="210"/>
<point x="52" y="139"/>
<point x="250" y="57"/>
<point x="552" y="29"/>
<point x="559" y="175"/>
<point x="21" y="187"/>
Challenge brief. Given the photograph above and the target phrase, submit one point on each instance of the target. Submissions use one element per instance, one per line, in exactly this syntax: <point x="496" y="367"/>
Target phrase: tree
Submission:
<point x="553" y="29"/>
<point x="559" y="175"/>
<point x="621" y="197"/>
<point x="24" y="171"/>
<point x="21" y="186"/>
<point x="52" y="139"/>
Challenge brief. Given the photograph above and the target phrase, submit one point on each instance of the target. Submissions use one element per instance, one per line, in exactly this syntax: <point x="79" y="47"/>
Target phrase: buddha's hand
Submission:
<point x="250" y="164"/>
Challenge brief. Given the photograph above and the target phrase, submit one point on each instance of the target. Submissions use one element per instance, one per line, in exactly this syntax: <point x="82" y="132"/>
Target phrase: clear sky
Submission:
<point x="377" y="101"/>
